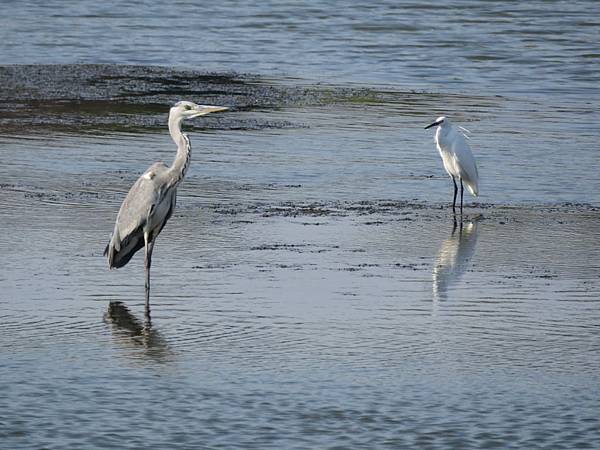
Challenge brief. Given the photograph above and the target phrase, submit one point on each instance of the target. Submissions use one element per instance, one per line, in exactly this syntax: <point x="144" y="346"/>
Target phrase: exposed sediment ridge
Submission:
<point x="136" y="97"/>
<point x="129" y="97"/>
<point x="88" y="195"/>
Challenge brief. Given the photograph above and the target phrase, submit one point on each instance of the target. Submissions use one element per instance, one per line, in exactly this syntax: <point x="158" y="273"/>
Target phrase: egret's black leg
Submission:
<point x="148" y="246"/>
<point x="462" y="188"/>
<point x="454" y="199"/>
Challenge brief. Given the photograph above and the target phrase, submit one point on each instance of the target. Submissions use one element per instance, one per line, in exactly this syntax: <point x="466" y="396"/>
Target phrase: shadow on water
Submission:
<point x="453" y="257"/>
<point x="138" y="338"/>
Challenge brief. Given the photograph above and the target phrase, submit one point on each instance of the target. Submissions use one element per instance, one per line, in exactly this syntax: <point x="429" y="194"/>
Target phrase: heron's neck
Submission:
<point x="184" y="151"/>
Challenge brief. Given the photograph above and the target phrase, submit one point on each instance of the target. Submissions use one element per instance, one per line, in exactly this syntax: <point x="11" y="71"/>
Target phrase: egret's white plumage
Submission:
<point x="457" y="156"/>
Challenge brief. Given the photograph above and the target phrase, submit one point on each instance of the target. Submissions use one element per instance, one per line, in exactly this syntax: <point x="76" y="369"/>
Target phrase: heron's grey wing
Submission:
<point x="164" y="211"/>
<point x="128" y="234"/>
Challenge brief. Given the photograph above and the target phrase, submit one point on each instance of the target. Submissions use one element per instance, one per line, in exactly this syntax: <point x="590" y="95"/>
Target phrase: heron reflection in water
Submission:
<point x="453" y="257"/>
<point x="133" y="334"/>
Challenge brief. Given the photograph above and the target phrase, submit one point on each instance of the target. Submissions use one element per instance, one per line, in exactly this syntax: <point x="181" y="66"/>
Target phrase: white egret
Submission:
<point x="457" y="157"/>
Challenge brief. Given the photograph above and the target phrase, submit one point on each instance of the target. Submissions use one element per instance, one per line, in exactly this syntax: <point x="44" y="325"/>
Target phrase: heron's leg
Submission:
<point x="454" y="199"/>
<point x="462" y="188"/>
<point x="148" y="246"/>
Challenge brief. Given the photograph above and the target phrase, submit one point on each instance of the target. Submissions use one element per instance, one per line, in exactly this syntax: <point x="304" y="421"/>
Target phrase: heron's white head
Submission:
<point x="441" y="121"/>
<point x="189" y="110"/>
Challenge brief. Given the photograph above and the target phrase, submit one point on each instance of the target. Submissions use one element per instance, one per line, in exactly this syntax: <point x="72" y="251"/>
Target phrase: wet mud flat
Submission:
<point x="384" y="317"/>
<point x="135" y="98"/>
<point x="228" y="230"/>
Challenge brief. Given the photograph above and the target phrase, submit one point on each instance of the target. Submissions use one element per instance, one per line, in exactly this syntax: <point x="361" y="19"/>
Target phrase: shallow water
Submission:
<point x="312" y="289"/>
<point x="377" y="323"/>
<point x="492" y="46"/>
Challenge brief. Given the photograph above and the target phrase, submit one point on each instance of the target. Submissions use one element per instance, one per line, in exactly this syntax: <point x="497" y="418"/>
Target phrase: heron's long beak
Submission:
<point x="206" y="109"/>
<point x="433" y="124"/>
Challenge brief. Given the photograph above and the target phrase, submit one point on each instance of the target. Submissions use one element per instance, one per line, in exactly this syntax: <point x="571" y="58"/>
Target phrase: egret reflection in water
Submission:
<point x="453" y="257"/>
<point x="139" y="338"/>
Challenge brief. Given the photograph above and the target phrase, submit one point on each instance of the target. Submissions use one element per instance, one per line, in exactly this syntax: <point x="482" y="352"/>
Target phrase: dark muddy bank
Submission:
<point x="134" y="98"/>
<point x="118" y="97"/>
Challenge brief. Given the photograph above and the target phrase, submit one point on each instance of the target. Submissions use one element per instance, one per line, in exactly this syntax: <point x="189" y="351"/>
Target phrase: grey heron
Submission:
<point x="457" y="157"/>
<point x="151" y="200"/>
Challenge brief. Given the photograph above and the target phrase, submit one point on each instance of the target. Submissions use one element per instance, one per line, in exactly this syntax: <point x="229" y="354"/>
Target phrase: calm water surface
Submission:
<point x="312" y="289"/>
